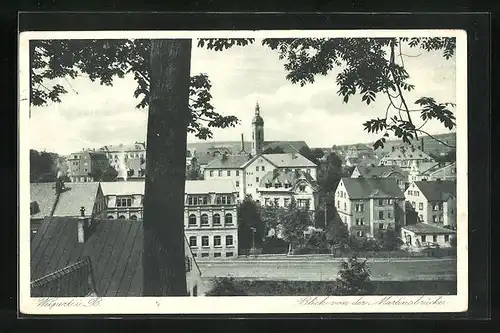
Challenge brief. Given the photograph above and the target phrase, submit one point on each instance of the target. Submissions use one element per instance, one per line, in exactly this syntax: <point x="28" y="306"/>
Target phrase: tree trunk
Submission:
<point x="164" y="257"/>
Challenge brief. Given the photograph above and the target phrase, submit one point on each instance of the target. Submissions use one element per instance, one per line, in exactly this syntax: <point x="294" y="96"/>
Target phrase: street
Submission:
<point x="320" y="269"/>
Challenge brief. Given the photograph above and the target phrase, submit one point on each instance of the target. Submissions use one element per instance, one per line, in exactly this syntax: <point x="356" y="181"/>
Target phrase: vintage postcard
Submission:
<point x="243" y="172"/>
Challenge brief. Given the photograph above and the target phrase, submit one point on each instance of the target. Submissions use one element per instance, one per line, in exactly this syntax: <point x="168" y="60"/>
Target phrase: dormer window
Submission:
<point x="302" y="188"/>
<point x="277" y="185"/>
<point x="268" y="185"/>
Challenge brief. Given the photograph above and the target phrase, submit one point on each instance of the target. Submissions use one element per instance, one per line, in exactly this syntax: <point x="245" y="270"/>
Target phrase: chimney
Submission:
<point x="422" y="144"/>
<point x="83" y="225"/>
<point x="242" y="143"/>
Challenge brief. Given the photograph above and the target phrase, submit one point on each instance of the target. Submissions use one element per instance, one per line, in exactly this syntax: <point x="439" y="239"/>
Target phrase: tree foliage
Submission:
<point x="390" y="241"/>
<point x="274" y="150"/>
<point x="329" y="173"/>
<point x="44" y="166"/>
<point x="294" y="222"/>
<point x="248" y="218"/>
<point x="354" y="277"/>
<point x="337" y="234"/>
<point x="109" y="174"/>
<point x="225" y="286"/>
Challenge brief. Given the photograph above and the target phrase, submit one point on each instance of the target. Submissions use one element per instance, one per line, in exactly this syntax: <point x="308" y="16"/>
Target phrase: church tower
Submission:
<point x="257" y="132"/>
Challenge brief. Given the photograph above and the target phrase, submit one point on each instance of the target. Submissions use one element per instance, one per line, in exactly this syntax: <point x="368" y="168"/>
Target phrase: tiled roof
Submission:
<point x="382" y="171"/>
<point x="44" y="194"/>
<point x="123" y="188"/>
<point x="114" y="247"/>
<point x="284" y="176"/>
<point x="291" y="160"/>
<point x="437" y="190"/>
<point x="288" y="146"/>
<point x="209" y="185"/>
<point x="423" y="167"/>
<point x="122" y="148"/>
<point x="228" y="162"/>
<point x="359" y="188"/>
<point x="427" y="228"/>
<point x="407" y="153"/>
<point x="203" y="159"/>
<point x="98" y="156"/>
<point x="75" y="196"/>
<point x="437" y="168"/>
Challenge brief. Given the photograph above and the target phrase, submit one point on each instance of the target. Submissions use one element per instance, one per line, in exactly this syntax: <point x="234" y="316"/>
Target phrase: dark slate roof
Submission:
<point x="98" y="156"/>
<point x="291" y="160"/>
<point x="203" y="159"/>
<point x="382" y="171"/>
<point x="287" y="176"/>
<point x="114" y="248"/>
<point x="288" y="146"/>
<point x="438" y="190"/>
<point x="75" y="196"/>
<point x="427" y="228"/>
<point x="229" y="162"/>
<point x="358" y="188"/>
<point x="44" y="194"/>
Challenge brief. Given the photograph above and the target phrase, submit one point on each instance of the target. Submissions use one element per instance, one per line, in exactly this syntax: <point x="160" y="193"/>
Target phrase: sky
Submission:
<point x="91" y="115"/>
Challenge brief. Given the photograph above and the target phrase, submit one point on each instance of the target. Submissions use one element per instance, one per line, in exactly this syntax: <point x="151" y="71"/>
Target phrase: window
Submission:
<point x="276" y="201"/>
<point x="262" y="168"/>
<point x="110" y="217"/>
<point x="267" y="201"/>
<point x="434" y="238"/>
<point x="302" y="203"/>
<point x="204" y="255"/>
<point x="228" y="173"/>
<point x="309" y="171"/>
<point x="381" y="226"/>
<point x="381" y="215"/>
<point x="423" y="238"/>
<point x="256" y="180"/>
<point x="217" y="254"/>
<point x="389" y="215"/>
<point x="223" y="200"/>
<point x="220" y="173"/>
<point x="410" y="192"/>
<point x="192" y="219"/>
<point x="228" y="219"/>
<point x="360" y="233"/>
<point x="123" y="202"/>
<point x="420" y="206"/>
<point x="390" y="200"/>
<point x="192" y="241"/>
<point x="434" y="218"/>
<point x="237" y="173"/>
<point x="211" y="173"/>
<point x="413" y="204"/>
<point x="217" y="241"/>
<point x="345" y="206"/>
<point x="446" y="238"/>
<point x="416" y="193"/>
<point x="257" y="168"/>
<point x="380" y="202"/>
<point x="237" y="183"/>
<point x="286" y="202"/>
<point x="229" y="254"/>
<point x="338" y="203"/>
<point x="204" y="241"/>
<point x="302" y="188"/>
<point x="359" y="221"/>
<point x="421" y="217"/>
<point x="122" y="217"/>
<point x="204" y="219"/>
<point x="216" y="219"/>
<point x="133" y="217"/>
<point x="229" y="240"/>
<point x="360" y="207"/>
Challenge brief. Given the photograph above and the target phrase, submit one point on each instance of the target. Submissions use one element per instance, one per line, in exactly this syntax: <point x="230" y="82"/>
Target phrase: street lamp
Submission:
<point x="253" y="238"/>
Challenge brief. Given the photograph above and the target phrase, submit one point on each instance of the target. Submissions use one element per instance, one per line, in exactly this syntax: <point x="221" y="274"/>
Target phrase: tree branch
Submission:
<point x="433" y="137"/>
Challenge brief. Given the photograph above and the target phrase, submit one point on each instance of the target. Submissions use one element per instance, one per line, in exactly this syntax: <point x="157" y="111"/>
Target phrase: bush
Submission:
<point x="226" y="286"/>
<point x="274" y="245"/>
<point x="310" y="250"/>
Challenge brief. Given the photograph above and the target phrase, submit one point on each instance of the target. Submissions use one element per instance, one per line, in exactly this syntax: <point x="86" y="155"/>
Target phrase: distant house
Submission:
<point x="84" y="164"/>
<point x="422" y="235"/>
<point x="405" y="156"/>
<point x="82" y="257"/>
<point x="434" y="201"/>
<point x="383" y="171"/>
<point x="65" y="200"/>
<point x="128" y="160"/>
<point x="124" y="200"/>
<point x="370" y="206"/>
<point x="434" y="171"/>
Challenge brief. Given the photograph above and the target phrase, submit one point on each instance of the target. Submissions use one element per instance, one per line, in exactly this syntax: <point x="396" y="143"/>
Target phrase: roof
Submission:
<point x="437" y="190"/>
<point x="427" y="228"/>
<point x="286" y="176"/>
<point x="287" y="146"/>
<point x="209" y="186"/>
<point x="98" y="156"/>
<point x="114" y="247"/>
<point x="75" y="196"/>
<point x="203" y="159"/>
<point x="382" y="171"/>
<point x="437" y="168"/>
<point x="291" y="160"/>
<point x="406" y="153"/>
<point x="44" y="194"/>
<point x="138" y="146"/>
<point x="359" y="188"/>
<point x="123" y="188"/>
<point x="228" y="162"/>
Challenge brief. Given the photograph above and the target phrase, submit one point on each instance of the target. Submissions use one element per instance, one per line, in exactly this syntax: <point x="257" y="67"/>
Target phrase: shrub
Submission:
<point x="225" y="286"/>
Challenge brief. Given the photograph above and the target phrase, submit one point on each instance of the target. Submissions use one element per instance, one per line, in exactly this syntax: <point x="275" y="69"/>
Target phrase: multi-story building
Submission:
<point x="434" y="171"/>
<point x="124" y="199"/>
<point x="128" y="160"/>
<point x="383" y="171"/>
<point x="281" y="186"/>
<point x="434" y="201"/>
<point x="210" y="218"/>
<point x="83" y="165"/>
<point x="369" y="206"/>
<point x="405" y="156"/>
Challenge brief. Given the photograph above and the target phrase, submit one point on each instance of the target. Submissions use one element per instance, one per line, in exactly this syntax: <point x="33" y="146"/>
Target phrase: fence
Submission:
<point x="75" y="280"/>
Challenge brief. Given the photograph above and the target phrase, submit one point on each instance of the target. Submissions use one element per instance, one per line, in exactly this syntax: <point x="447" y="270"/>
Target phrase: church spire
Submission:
<point x="257" y="109"/>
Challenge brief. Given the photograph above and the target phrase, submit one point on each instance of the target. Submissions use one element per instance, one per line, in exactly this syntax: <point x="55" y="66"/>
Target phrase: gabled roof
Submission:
<point x="203" y="159"/>
<point x="123" y="188"/>
<point x="437" y="190"/>
<point x="381" y="171"/>
<point x="427" y="228"/>
<point x="423" y="167"/>
<point x="138" y="146"/>
<point x="98" y="155"/>
<point x="287" y="176"/>
<point x="209" y="186"/>
<point x="437" y="168"/>
<point x="75" y="196"/>
<point x="406" y="153"/>
<point x="360" y="188"/>
<point x="228" y="162"/>
<point x="288" y="146"/>
<point x="44" y="195"/>
<point x="114" y="247"/>
<point x="291" y="160"/>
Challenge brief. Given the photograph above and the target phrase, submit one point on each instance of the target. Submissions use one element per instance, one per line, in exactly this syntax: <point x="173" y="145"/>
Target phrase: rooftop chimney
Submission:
<point x="242" y="143"/>
<point x="83" y="225"/>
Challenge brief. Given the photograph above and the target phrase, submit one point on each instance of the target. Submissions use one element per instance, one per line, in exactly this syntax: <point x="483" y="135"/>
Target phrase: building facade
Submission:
<point x="86" y="163"/>
<point x="128" y="160"/>
<point x="405" y="156"/>
<point x="124" y="199"/>
<point x="383" y="171"/>
<point x="370" y="206"/>
<point x="423" y="235"/>
<point x="436" y="171"/>
<point x="210" y="219"/>
<point x="435" y="202"/>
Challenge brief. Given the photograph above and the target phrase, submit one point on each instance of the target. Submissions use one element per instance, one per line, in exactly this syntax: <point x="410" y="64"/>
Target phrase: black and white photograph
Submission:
<point x="296" y="171"/>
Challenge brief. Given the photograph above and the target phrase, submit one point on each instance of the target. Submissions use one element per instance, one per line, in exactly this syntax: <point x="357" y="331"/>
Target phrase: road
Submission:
<point x="327" y="269"/>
